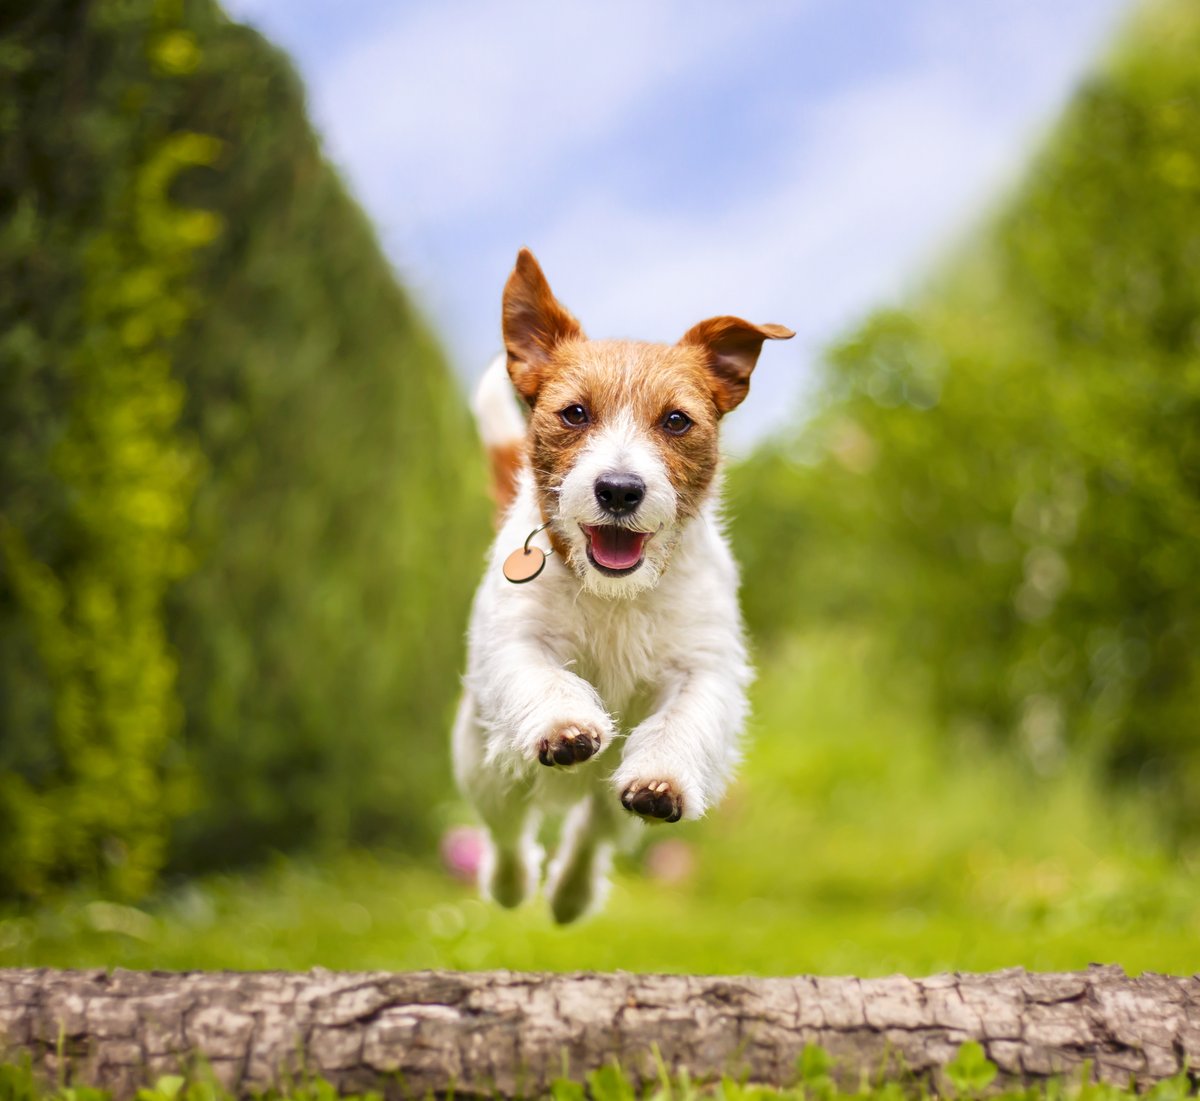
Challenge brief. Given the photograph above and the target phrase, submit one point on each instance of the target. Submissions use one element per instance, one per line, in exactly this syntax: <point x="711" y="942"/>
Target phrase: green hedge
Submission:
<point x="341" y="529"/>
<point x="1005" y="476"/>
<point x="240" y="503"/>
<point x="97" y="479"/>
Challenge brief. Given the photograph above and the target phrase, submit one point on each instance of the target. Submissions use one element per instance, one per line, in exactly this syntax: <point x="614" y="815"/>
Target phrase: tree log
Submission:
<point x="511" y="1034"/>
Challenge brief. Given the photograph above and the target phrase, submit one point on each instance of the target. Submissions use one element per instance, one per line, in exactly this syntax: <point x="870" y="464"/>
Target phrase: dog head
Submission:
<point x="622" y="434"/>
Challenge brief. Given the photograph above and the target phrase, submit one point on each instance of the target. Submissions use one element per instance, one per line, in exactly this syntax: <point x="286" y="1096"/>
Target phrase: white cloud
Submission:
<point x="885" y="173"/>
<point x="880" y="176"/>
<point x="473" y="127"/>
<point x="452" y="107"/>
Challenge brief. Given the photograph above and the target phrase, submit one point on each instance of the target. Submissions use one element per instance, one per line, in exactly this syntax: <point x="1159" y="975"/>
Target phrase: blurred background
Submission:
<point x="242" y="513"/>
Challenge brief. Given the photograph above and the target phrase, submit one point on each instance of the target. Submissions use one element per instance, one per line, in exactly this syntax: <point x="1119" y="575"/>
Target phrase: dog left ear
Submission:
<point x="534" y="323"/>
<point x="731" y="346"/>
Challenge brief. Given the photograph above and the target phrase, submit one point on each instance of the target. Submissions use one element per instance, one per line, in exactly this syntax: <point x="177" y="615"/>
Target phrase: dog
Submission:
<point x="606" y="670"/>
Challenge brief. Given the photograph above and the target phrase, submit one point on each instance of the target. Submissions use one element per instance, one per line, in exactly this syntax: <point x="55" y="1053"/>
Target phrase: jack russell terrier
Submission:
<point x="607" y="671"/>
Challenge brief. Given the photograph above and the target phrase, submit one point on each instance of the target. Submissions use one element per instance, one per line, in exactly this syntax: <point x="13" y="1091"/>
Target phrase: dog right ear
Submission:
<point x="534" y="323"/>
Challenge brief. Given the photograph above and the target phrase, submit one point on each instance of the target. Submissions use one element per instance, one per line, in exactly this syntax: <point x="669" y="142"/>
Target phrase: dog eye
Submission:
<point x="574" y="416"/>
<point x="677" y="422"/>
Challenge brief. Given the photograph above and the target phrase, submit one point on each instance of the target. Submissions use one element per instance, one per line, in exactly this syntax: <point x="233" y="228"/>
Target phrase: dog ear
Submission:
<point x="731" y="347"/>
<point x="534" y="322"/>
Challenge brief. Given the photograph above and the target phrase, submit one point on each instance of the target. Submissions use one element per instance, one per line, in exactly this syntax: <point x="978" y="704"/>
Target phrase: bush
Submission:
<point x="239" y="510"/>
<point x="340" y="529"/>
<point x="96" y="478"/>
<point x="1005" y="476"/>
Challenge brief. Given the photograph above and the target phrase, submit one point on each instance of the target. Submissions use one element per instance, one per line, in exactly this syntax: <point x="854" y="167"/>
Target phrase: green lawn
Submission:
<point x="855" y="842"/>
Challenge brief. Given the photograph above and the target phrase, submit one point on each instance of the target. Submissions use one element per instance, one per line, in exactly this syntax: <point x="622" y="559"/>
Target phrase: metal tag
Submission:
<point x="524" y="564"/>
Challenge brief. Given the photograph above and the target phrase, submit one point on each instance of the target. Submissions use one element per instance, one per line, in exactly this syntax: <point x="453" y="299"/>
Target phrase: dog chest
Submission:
<point x="621" y="648"/>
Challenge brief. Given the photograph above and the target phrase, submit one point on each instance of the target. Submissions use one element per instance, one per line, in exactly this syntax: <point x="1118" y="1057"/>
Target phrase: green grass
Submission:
<point x="857" y="841"/>
<point x="967" y="1077"/>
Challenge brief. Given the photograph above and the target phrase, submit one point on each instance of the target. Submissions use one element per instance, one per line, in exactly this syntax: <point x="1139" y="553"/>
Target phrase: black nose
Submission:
<point x="618" y="493"/>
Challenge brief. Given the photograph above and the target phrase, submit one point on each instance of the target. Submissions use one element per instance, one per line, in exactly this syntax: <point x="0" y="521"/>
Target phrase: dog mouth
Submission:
<point x="614" y="550"/>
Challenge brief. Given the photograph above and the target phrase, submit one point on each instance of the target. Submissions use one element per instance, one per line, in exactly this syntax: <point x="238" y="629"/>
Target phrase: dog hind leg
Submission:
<point x="511" y="864"/>
<point x="578" y="878"/>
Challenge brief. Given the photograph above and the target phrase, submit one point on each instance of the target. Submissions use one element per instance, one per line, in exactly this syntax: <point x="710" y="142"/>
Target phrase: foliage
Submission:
<point x="814" y="1073"/>
<point x="239" y="502"/>
<point x="970" y="1072"/>
<point x="1004" y="477"/>
<point x="87" y="678"/>
<point x="340" y="528"/>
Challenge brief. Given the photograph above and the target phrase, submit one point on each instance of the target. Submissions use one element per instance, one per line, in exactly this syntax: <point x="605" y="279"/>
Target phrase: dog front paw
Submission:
<point x="570" y="744"/>
<point x="657" y="800"/>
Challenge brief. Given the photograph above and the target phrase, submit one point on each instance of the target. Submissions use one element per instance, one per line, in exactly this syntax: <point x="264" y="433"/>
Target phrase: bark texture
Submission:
<point x="511" y="1033"/>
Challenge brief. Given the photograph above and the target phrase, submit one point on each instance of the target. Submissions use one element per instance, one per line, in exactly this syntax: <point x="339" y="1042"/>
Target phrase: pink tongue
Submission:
<point x="616" y="548"/>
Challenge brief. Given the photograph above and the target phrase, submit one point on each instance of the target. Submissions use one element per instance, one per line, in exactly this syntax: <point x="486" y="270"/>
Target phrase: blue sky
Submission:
<point x="797" y="162"/>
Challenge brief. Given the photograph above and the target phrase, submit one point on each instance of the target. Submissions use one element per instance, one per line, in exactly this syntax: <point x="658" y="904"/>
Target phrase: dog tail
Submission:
<point x="502" y="430"/>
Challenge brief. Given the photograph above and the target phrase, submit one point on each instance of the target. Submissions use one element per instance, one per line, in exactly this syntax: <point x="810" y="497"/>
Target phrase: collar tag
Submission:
<point x="526" y="562"/>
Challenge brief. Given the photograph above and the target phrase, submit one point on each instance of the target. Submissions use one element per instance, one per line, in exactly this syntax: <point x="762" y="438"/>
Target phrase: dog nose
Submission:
<point x="620" y="493"/>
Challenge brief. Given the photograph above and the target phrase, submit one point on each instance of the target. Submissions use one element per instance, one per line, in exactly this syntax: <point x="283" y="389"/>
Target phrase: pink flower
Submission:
<point x="670" y="861"/>
<point x="462" y="851"/>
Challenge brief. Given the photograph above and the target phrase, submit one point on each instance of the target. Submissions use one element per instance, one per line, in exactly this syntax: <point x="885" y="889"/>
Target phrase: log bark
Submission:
<point x="511" y="1034"/>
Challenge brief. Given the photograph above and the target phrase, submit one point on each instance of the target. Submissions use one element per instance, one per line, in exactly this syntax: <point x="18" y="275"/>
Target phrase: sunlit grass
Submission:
<point x="966" y="1077"/>
<point x="857" y="841"/>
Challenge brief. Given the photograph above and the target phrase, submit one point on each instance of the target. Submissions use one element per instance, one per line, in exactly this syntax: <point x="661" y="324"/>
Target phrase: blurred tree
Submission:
<point x="341" y="528"/>
<point x="1005" y="477"/>
<point x="240" y="503"/>
<point x="96" y="487"/>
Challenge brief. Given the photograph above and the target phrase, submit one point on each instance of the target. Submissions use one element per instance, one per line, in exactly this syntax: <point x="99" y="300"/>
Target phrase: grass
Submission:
<point x="967" y="1077"/>
<point x="856" y="842"/>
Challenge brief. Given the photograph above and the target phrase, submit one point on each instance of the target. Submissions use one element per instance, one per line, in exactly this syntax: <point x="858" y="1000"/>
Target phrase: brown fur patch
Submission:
<point x="534" y="324"/>
<point x="504" y="462"/>
<point x="731" y="347"/>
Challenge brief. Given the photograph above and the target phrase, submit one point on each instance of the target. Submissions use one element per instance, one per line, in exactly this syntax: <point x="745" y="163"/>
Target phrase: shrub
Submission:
<point x="97" y="479"/>
<point x="1005" y="475"/>
<point x="240" y="506"/>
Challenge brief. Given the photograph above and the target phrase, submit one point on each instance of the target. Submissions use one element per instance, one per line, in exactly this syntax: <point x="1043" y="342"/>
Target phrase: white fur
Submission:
<point x="654" y="662"/>
<point x="495" y="406"/>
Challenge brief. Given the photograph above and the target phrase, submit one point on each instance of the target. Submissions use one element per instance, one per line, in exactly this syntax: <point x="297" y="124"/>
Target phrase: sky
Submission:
<point x="667" y="160"/>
